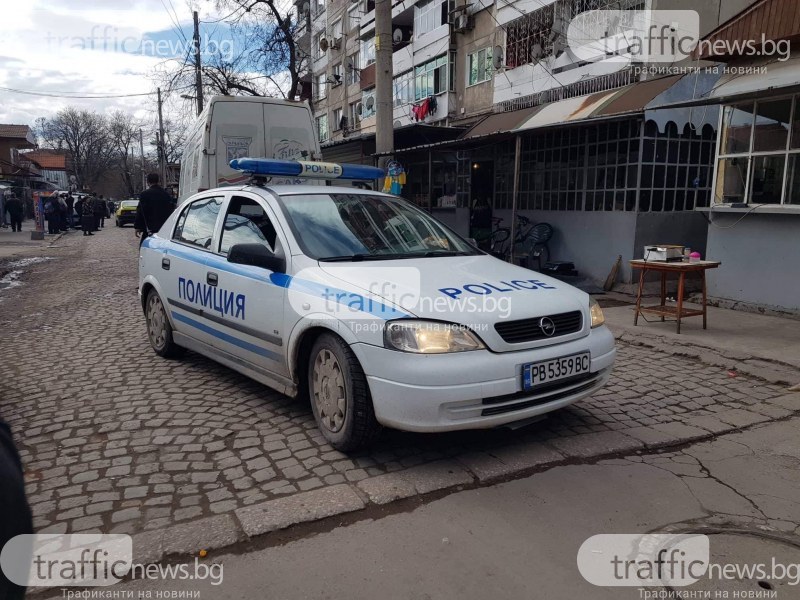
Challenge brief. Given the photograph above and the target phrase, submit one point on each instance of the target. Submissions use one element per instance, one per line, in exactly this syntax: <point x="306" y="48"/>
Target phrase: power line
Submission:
<point x="56" y="94"/>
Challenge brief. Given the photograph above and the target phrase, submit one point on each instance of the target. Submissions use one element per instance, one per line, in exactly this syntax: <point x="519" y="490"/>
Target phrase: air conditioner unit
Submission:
<point x="462" y="22"/>
<point x="334" y="43"/>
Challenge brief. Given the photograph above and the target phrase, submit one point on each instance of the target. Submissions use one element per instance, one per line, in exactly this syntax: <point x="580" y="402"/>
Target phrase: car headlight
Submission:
<point x="430" y="337"/>
<point x="597" y="313"/>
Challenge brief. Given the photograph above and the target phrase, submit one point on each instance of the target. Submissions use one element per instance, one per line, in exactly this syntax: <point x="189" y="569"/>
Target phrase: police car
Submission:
<point x="367" y="305"/>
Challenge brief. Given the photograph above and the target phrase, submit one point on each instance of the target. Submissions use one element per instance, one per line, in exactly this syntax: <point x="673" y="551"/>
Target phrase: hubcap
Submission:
<point x="156" y="322"/>
<point x="329" y="393"/>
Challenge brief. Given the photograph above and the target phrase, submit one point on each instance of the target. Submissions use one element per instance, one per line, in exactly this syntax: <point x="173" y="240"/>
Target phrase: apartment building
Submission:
<point x="489" y="94"/>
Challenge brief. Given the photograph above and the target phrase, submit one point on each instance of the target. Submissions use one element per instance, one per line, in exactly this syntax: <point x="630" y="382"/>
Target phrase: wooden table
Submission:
<point x="681" y="268"/>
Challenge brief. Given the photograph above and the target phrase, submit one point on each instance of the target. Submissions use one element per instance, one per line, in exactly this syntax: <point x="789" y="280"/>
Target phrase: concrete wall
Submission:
<point x="760" y="260"/>
<point x="686" y="228"/>
<point x="474" y="99"/>
<point x="592" y="240"/>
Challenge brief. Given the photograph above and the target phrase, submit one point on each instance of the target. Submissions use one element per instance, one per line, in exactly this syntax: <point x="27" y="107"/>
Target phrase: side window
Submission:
<point x="196" y="222"/>
<point x="247" y="223"/>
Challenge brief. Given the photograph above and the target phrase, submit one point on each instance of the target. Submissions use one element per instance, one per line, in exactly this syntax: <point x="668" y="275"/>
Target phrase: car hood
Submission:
<point x="475" y="291"/>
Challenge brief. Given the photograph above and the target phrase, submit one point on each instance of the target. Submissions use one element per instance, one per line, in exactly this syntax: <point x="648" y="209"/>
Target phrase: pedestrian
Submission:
<point x="155" y="207"/>
<point x="16" y="513"/>
<point x="62" y="212"/>
<point x="98" y="210"/>
<point x="87" y="215"/>
<point x="15" y="210"/>
<point x="51" y="213"/>
<point x="3" y="211"/>
<point x="70" y="208"/>
<point x="102" y="211"/>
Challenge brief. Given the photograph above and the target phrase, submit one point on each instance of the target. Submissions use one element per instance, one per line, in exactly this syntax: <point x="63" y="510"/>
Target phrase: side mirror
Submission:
<point x="256" y="255"/>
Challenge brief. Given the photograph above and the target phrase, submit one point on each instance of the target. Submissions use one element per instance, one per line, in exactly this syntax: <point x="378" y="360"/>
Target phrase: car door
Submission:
<point x="252" y="303"/>
<point x="183" y="268"/>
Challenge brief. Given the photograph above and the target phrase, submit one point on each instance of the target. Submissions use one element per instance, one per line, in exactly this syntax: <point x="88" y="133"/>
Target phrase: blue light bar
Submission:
<point x="305" y="168"/>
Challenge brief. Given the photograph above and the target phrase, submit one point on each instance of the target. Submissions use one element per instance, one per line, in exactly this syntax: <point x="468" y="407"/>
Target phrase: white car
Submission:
<point x="368" y="306"/>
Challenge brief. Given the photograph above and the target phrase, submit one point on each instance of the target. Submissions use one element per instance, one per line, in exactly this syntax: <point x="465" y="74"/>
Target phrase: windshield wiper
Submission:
<point x="361" y="257"/>
<point x="448" y="253"/>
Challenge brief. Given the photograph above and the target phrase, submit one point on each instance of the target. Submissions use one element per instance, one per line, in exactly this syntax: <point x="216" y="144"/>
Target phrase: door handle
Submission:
<point x="212" y="278"/>
<point x="165" y="264"/>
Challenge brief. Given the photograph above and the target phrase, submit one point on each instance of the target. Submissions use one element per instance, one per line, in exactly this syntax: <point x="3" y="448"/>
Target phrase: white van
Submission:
<point x="233" y="127"/>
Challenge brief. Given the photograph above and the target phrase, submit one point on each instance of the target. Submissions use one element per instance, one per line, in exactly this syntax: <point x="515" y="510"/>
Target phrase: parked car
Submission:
<point x="126" y="213"/>
<point x="368" y="306"/>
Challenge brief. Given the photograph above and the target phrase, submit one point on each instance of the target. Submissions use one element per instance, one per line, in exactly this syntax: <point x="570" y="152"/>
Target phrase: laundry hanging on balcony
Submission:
<point x="424" y="108"/>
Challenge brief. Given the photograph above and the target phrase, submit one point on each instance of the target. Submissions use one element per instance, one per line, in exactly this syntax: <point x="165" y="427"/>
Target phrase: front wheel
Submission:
<point x="340" y="398"/>
<point x="159" y="329"/>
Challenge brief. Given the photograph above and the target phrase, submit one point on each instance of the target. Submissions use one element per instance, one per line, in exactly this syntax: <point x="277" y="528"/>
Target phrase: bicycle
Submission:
<point x="494" y="242"/>
<point x="530" y="242"/>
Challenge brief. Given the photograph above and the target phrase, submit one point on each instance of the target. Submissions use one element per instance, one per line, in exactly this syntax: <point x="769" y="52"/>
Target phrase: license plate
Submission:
<point x="538" y="373"/>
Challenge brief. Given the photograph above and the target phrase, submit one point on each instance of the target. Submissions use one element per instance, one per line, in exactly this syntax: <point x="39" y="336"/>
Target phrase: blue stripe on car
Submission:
<point x="226" y="337"/>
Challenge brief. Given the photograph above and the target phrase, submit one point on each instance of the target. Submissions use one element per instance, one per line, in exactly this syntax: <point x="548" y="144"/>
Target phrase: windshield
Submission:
<point x="364" y="227"/>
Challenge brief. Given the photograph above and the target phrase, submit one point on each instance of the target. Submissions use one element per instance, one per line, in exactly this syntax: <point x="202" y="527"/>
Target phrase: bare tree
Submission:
<point x="261" y="58"/>
<point x="125" y="139"/>
<point x="86" y="136"/>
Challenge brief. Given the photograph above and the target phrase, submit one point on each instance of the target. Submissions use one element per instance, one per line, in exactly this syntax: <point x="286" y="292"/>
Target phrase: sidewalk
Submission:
<point x="20" y="243"/>
<point x="759" y="345"/>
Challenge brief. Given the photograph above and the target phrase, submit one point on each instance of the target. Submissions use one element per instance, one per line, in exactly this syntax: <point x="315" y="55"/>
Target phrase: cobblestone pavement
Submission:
<point x="117" y="439"/>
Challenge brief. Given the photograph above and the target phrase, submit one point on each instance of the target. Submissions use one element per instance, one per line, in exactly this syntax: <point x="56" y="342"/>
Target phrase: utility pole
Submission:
<point x="198" y="80"/>
<point x="141" y="151"/>
<point x="162" y="168"/>
<point x="384" y="134"/>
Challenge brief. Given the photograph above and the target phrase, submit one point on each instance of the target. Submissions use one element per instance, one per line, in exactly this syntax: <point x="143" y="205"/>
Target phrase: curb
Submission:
<point x="470" y="471"/>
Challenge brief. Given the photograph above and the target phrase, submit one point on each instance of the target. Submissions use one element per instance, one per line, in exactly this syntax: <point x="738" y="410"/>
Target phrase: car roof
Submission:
<point x="290" y="189"/>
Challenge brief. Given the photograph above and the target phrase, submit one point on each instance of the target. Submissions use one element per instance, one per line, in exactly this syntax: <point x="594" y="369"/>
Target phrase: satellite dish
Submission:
<point x="397" y="124"/>
<point x="370" y="103"/>
<point x="497" y="58"/>
<point x="536" y="51"/>
<point x="397" y="35"/>
<point x="360" y="108"/>
<point x="323" y="44"/>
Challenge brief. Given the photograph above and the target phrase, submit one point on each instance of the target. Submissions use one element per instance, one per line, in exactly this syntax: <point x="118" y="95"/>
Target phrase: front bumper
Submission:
<point x="475" y="390"/>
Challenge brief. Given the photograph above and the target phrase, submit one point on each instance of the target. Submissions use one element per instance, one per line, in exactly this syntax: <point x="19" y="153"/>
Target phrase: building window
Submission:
<point x="353" y="18"/>
<point x="528" y="38"/>
<point x="322" y="128"/>
<point x="336" y="73"/>
<point x="316" y="49"/>
<point x="430" y="78"/>
<point x="479" y="65"/>
<point x="322" y="84"/>
<point x="355" y="114"/>
<point x="759" y="153"/>
<point x="368" y="103"/>
<point x="337" y="119"/>
<point x="319" y="7"/>
<point x="403" y="88"/>
<point x="367" y="52"/>
<point x="336" y="29"/>
<point x="353" y="68"/>
<point x="429" y="15"/>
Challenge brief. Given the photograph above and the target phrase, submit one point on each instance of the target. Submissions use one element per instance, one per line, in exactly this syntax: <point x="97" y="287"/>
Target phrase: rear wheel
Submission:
<point x="159" y="329"/>
<point x="340" y="398"/>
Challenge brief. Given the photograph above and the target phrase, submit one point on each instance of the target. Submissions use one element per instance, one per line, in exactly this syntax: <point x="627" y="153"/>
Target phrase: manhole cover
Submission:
<point x="736" y="557"/>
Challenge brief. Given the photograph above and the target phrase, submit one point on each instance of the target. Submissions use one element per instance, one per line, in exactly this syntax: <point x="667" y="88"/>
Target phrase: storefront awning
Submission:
<point x="766" y="78"/>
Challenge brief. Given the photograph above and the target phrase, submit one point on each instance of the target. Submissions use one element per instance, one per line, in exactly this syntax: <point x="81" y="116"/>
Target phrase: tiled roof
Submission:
<point x="47" y="159"/>
<point x="14" y="131"/>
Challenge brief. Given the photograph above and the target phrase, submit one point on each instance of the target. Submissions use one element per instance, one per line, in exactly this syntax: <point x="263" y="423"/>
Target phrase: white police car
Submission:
<point x="368" y="305"/>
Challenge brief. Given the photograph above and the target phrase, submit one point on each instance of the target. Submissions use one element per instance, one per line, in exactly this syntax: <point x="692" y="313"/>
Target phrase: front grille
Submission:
<point x="587" y="381"/>
<point x="530" y="330"/>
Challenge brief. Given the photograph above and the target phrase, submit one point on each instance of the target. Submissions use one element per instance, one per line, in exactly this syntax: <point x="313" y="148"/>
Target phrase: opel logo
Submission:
<point x="547" y="326"/>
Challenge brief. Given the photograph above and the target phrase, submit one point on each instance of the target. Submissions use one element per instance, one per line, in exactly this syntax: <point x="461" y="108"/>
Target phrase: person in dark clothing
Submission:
<point x="70" y="207"/>
<point x="15" y="210"/>
<point x="155" y="207"/>
<point x="52" y="214"/>
<point x="15" y="514"/>
<point x="99" y="212"/>
<point x="87" y="215"/>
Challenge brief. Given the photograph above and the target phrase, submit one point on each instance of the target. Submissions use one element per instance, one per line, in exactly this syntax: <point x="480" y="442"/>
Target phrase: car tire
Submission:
<point x="159" y="329"/>
<point x="339" y="395"/>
